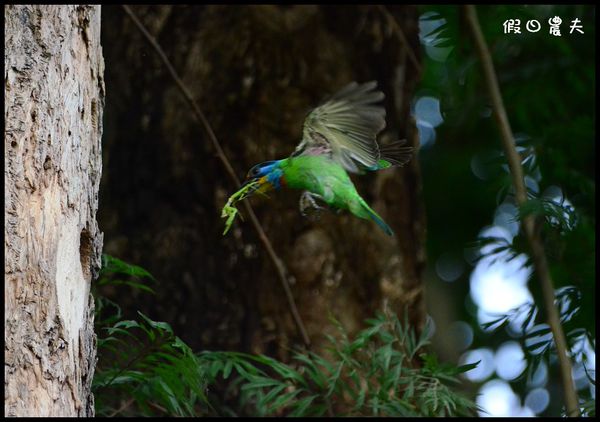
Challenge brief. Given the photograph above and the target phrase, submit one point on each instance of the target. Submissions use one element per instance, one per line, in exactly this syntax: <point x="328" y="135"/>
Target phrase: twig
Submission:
<point x="537" y="249"/>
<point x="400" y="34"/>
<point x="159" y="407"/>
<point x="281" y="271"/>
<point x="120" y="409"/>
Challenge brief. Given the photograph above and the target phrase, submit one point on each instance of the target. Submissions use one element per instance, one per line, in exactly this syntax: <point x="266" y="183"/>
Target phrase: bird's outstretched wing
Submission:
<point x="345" y="127"/>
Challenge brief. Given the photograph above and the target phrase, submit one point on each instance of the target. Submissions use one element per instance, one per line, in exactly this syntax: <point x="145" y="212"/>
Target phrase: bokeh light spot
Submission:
<point x="510" y="360"/>
<point x="462" y="333"/>
<point x="449" y="266"/>
<point x="428" y="109"/>
<point x="537" y="400"/>
<point x="539" y="378"/>
<point x="485" y="367"/>
<point x="497" y="399"/>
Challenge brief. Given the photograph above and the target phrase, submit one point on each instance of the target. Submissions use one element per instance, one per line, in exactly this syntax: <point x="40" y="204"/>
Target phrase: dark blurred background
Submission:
<point x="256" y="71"/>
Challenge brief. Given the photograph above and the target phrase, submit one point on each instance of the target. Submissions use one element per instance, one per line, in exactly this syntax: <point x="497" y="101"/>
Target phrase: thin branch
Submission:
<point x="533" y="236"/>
<point x="122" y="408"/>
<point x="159" y="407"/>
<point x="281" y="271"/>
<point x="400" y="34"/>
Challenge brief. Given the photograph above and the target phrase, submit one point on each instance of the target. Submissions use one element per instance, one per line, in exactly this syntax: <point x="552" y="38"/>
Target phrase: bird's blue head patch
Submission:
<point x="261" y="169"/>
<point x="268" y="174"/>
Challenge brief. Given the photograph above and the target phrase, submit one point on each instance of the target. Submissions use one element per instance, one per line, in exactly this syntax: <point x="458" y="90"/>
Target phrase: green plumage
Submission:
<point x="327" y="179"/>
<point x="338" y="137"/>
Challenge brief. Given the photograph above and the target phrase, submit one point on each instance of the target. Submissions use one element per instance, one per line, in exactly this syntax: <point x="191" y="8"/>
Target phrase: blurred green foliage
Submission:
<point x="144" y="369"/>
<point x="548" y="84"/>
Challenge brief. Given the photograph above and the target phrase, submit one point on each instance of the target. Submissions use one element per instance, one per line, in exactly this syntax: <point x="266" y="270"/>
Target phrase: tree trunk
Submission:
<point x="255" y="71"/>
<point x="54" y="97"/>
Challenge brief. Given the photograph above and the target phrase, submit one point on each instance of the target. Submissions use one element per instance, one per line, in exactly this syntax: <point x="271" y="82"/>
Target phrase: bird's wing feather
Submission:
<point x="345" y="127"/>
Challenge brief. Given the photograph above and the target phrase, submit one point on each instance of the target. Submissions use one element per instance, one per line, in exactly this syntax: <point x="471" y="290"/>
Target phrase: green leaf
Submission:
<point x="283" y="400"/>
<point x="260" y="382"/>
<point x="111" y="264"/>
<point x="268" y="398"/>
<point x="302" y="405"/>
<point x="161" y="326"/>
<point x="227" y="369"/>
<point x="467" y="367"/>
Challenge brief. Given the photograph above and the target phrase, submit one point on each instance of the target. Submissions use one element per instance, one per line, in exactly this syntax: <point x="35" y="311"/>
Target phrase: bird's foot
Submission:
<point x="309" y="207"/>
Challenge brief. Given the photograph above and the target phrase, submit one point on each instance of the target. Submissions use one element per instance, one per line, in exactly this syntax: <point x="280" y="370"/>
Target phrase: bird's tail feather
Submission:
<point x="376" y="218"/>
<point x="394" y="154"/>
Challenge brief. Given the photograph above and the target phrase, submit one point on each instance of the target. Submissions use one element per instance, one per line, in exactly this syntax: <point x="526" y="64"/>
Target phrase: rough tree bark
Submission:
<point x="255" y="71"/>
<point x="54" y="97"/>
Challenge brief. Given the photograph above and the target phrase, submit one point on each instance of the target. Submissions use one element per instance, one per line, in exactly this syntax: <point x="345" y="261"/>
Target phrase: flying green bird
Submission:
<point x="339" y="136"/>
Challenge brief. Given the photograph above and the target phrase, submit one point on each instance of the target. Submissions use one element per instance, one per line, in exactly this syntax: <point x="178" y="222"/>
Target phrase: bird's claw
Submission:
<point x="309" y="207"/>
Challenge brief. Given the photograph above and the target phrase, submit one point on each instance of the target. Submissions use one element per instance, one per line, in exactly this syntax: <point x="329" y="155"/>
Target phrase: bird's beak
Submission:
<point x="262" y="185"/>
